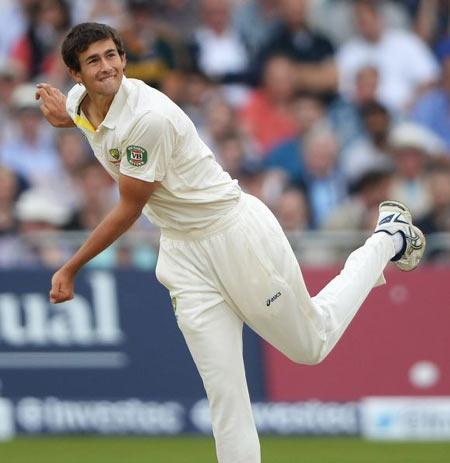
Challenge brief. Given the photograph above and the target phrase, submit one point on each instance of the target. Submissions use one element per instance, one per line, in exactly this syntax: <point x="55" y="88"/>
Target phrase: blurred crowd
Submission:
<point x="321" y="108"/>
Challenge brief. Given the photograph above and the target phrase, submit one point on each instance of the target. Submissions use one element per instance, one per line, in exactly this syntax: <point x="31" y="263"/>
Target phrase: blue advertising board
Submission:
<point x="116" y="341"/>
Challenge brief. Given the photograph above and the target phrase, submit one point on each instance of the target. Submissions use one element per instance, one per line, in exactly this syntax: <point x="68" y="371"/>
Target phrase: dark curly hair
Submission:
<point x="81" y="36"/>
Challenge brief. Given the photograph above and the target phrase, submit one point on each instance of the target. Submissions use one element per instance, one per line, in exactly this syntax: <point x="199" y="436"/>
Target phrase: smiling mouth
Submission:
<point x="103" y="79"/>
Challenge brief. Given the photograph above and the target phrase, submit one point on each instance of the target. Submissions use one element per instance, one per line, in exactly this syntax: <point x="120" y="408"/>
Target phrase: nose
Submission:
<point x="105" y="65"/>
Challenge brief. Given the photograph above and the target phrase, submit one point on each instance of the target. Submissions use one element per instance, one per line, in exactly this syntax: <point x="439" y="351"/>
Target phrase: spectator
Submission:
<point x="151" y="49"/>
<point x="256" y="21"/>
<point x="9" y="79"/>
<point x="309" y="49"/>
<point x="345" y="114"/>
<point x="39" y="218"/>
<point x="342" y="27"/>
<point x="9" y="189"/>
<point x="357" y="211"/>
<point x="438" y="218"/>
<point x="389" y="51"/>
<point x="432" y="18"/>
<point x="267" y="185"/>
<point x="109" y="12"/>
<point x="413" y="148"/>
<point x="13" y="23"/>
<point x="97" y="190"/>
<point x="291" y="210"/>
<point x="181" y="15"/>
<point x="220" y="123"/>
<point x="73" y="155"/>
<point x="324" y="184"/>
<point x="198" y="92"/>
<point x="28" y="149"/>
<point x="433" y="109"/>
<point x="268" y="116"/>
<point x="218" y="52"/>
<point x="232" y="155"/>
<point x="370" y="150"/>
<point x="36" y="51"/>
<point x="288" y="155"/>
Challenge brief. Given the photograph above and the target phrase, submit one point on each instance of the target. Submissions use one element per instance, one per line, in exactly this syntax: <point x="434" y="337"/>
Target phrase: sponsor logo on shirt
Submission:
<point x="136" y="155"/>
<point x="273" y="298"/>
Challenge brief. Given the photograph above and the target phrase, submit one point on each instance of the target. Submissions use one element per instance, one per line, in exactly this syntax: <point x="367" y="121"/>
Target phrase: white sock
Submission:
<point x="399" y="242"/>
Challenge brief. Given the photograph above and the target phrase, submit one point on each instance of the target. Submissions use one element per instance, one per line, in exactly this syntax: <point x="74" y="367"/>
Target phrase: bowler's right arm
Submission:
<point x="53" y="105"/>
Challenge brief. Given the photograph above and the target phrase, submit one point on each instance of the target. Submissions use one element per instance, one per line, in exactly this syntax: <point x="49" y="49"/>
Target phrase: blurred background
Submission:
<point x="322" y="109"/>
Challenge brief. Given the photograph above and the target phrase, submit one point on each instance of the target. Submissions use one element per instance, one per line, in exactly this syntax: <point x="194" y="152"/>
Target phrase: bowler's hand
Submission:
<point x="62" y="286"/>
<point x="53" y="105"/>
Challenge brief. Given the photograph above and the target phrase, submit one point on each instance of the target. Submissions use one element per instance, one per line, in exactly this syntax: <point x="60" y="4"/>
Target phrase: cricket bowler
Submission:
<point x="223" y="256"/>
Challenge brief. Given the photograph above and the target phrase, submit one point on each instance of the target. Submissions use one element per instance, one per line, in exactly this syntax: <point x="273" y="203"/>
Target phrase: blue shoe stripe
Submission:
<point x="387" y="219"/>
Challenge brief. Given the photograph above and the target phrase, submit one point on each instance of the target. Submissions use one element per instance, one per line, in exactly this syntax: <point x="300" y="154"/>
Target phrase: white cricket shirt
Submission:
<point x="147" y="136"/>
<point x="404" y="63"/>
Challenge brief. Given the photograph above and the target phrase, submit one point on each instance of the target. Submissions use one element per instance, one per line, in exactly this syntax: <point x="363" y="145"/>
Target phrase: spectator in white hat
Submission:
<point x="39" y="216"/>
<point x="412" y="148"/>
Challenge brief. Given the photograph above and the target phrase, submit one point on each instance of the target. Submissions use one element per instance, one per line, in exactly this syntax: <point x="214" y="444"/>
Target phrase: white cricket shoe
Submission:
<point x="396" y="217"/>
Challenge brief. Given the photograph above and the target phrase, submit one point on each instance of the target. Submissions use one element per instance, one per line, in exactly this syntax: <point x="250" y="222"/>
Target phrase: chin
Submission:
<point x="109" y="88"/>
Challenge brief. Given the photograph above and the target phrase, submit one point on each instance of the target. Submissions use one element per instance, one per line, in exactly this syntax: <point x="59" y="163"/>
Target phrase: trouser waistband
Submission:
<point x="220" y="224"/>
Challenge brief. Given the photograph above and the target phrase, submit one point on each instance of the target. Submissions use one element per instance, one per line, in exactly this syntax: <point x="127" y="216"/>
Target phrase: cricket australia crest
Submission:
<point x="136" y="155"/>
<point x="115" y="154"/>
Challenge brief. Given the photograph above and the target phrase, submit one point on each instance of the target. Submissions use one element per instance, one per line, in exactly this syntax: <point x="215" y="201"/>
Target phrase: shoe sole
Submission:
<point x="420" y="250"/>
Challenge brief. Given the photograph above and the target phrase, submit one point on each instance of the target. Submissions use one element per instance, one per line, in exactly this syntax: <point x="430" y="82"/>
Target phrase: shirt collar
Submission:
<point x="116" y="107"/>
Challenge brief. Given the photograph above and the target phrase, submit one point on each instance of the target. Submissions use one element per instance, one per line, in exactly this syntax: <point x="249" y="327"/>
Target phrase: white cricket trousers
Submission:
<point x="243" y="269"/>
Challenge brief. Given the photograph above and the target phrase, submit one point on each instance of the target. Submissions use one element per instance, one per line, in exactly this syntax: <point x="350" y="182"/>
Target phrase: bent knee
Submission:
<point x="310" y="356"/>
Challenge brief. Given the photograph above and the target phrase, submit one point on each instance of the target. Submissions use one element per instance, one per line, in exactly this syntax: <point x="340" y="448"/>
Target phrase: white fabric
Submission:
<point x="244" y="270"/>
<point x="195" y="191"/>
<point x="220" y="54"/>
<point x="404" y="62"/>
<point x="399" y="242"/>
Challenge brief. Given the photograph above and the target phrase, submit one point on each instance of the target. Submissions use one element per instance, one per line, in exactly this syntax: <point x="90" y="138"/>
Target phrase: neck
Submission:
<point x="96" y="107"/>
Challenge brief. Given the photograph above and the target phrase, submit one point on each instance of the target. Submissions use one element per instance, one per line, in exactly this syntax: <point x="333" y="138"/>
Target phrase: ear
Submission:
<point x="76" y="76"/>
<point x="124" y="61"/>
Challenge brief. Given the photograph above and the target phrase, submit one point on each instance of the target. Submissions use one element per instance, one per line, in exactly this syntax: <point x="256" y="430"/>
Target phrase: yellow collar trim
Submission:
<point x="83" y="123"/>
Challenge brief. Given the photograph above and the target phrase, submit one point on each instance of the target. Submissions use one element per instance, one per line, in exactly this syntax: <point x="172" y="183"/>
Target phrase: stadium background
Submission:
<point x="307" y="116"/>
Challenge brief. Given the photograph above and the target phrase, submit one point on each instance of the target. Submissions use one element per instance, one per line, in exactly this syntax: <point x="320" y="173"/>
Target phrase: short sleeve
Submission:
<point x="425" y="67"/>
<point x="148" y="148"/>
<point x="73" y="100"/>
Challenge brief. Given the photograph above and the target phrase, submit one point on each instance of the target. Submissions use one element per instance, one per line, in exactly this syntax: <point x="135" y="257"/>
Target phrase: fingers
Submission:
<point x="44" y="86"/>
<point x="46" y="91"/>
<point x="45" y="110"/>
<point x="58" y="299"/>
<point x="59" y="294"/>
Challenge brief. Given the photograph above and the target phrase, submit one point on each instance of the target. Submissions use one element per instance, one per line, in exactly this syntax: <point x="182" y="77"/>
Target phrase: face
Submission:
<point x="8" y="186"/>
<point x="377" y="124"/>
<point x="292" y="211"/>
<point x="309" y="111"/>
<point x="368" y="22"/>
<point x="321" y="154"/>
<point x="279" y="79"/>
<point x="294" y="12"/>
<point x="101" y="68"/>
<point x="367" y="80"/>
<point x="216" y="14"/>
<point x="440" y="189"/>
<point x="410" y="162"/>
